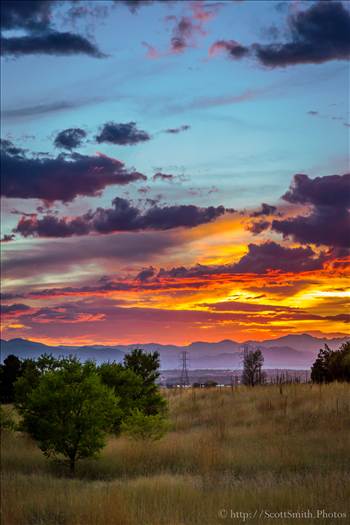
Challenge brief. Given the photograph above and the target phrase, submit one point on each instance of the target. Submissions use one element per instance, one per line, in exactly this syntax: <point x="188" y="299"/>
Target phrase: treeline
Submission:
<point x="70" y="407"/>
<point x="332" y="365"/>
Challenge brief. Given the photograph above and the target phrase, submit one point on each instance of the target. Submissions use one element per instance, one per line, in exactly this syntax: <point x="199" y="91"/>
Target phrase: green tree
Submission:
<point x="70" y="412"/>
<point x="139" y="426"/>
<point x="10" y="371"/>
<point x="127" y="386"/>
<point x="32" y="370"/>
<point x="252" y="367"/>
<point x="146" y="365"/>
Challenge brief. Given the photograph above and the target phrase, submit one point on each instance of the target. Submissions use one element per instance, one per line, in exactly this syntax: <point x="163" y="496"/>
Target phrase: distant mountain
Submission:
<point x="290" y="351"/>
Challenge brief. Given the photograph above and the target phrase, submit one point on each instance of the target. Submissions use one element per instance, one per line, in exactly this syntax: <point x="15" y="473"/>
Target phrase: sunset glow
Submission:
<point x="169" y="184"/>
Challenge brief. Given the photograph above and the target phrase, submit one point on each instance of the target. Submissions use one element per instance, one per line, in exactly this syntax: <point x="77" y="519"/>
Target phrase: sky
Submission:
<point x="174" y="171"/>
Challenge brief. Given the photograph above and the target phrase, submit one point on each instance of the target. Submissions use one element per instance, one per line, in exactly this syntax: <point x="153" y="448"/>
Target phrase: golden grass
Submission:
<point x="246" y="450"/>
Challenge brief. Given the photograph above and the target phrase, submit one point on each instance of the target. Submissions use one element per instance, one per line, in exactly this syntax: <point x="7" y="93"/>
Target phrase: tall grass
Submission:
<point x="245" y="450"/>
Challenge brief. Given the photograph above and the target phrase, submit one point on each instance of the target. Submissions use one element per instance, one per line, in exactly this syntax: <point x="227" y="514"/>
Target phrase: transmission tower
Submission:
<point x="184" y="379"/>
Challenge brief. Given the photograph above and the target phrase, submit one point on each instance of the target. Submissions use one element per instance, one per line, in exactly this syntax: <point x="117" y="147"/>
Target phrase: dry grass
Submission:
<point x="246" y="450"/>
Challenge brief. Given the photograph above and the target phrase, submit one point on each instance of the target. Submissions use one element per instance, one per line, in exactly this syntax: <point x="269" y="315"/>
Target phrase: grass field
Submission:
<point x="247" y="450"/>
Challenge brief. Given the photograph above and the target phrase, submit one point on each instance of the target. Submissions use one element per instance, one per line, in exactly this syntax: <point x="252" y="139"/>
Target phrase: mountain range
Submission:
<point x="290" y="351"/>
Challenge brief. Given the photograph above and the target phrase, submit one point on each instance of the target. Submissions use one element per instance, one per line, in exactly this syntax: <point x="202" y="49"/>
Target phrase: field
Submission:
<point x="261" y="450"/>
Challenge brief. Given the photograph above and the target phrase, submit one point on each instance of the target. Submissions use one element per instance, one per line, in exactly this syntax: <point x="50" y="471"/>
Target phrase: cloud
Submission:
<point x="50" y="107"/>
<point x="270" y="255"/>
<point x="318" y="34"/>
<point x="122" y="217"/>
<point x="328" y="223"/>
<point x="221" y="100"/>
<point x="331" y="190"/>
<point x="13" y="309"/>
<point x="259" y="259"/>
<point x="234" y="49"/>
<point x="325" y="225"/>
<point x="146" y="274"/>
<point x="70" y="138"/>
<point x="8" y="237"/>
<point x="134" y="5"/>
<point x="266" y="209"/>
<point x="257" y="227"/>
<point x="163" y="176"/>
<point x="187" y="29"/>
<point x="60" y="178"/>
<point x="183" y="34"/>
<point x="36" y="17"/>
<point x="31" y="14"/>
<point x="51" y="43"/>
<point x="174" y="131"/>
<point x="122" y="134"/>
<point x="104" y="251"/>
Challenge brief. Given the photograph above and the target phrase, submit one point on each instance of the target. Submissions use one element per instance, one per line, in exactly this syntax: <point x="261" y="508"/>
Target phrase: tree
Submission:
<point x="320" y="372"/>
<point x="32" y="370"/>
<point x="140" y="426"/>
<point x="127" y="387"/>
<point x="70" y="412"/>
<point x="146" y="366"/>
<point x="10" y="371"/>
<point x="252" y="367"/>
<point x="332" y="365"/>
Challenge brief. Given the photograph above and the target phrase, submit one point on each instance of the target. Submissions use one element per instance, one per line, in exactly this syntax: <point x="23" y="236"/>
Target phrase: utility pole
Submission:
<point x="184" y="380"/>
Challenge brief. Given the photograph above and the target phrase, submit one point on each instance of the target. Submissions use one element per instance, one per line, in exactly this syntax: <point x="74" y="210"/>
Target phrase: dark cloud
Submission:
<point x="122" y="134"/>
<point x="266" y="209"/>
<point x="12" y="309"/>
<point x="122" y="217"/>
<point x="174" y="131"/>
<point x="259" y="259"/>
<point x="270" y="256"/>
<point x="10" y="149"/>
<point x="52" y="43"/>
<point x="61" y="178"/>
<point x="328" y="222"/>
<point x="331" y="190"/>
<point x="29" y="14"/>
<point x="146" y="274"/>
<point x="8" y="237"/>
<point x="164" y="176"/>
<point x="257" y="227"/>
<point x="70" y="138"/>
<point x="325" y="225"/>
<point x="318" y="34"/>
<point x="35" y="17"/>
<point x="234" y="49"/>
<point x="312" y="113"/>
<point x="134" y="5"/>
